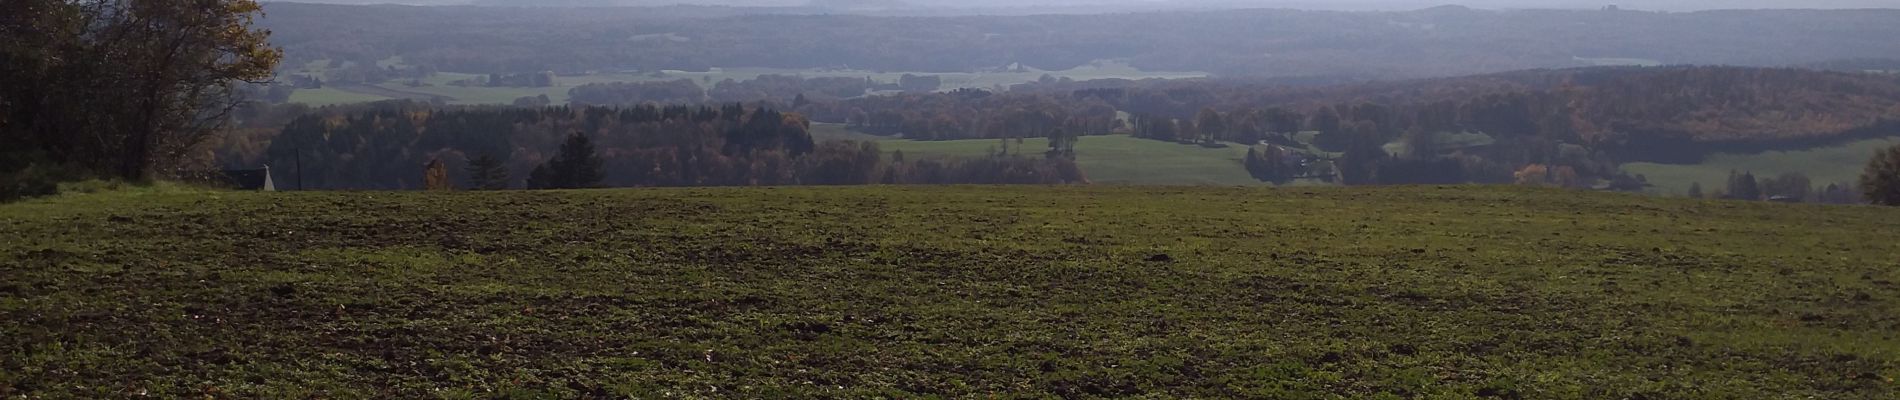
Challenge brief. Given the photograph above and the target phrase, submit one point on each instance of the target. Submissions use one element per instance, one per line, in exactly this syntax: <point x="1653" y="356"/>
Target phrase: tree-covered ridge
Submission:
<point x="384" y="145"/>
<point x="1699" y="103"/>
<point x="1703" y="104"/>
<point x="1485" y="128"/>
<point x="1737" y="104"/>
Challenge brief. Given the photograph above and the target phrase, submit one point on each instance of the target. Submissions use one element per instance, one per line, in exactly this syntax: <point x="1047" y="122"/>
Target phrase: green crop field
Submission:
<point x="821" y="131"/>
<point x="1842" y="163"/>
<point x="1113" y="159"/>
<point x="958" y="291"/>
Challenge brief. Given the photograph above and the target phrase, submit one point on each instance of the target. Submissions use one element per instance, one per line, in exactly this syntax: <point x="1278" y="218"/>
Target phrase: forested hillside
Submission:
<point x="385" y="146"/>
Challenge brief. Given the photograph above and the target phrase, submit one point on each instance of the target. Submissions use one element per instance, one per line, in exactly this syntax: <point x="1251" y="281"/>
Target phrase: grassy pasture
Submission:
<point x="1840" y="163"/>
<point x="908" y="292"/>
<point x="822" y="131"/>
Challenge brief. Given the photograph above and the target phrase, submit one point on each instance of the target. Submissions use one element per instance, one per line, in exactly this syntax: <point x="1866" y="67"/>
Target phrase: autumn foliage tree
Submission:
<point x="122" y="88"/>
<point x="1544" y="175"/>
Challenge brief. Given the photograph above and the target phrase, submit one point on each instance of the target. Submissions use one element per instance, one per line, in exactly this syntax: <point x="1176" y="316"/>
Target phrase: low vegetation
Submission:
<point x="1833" y="164"/>
<point x="1077" y="291"/>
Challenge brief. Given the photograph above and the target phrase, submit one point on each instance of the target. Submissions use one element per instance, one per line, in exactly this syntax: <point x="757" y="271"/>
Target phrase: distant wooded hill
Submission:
<point x="1588" y="119"/>
<point x="1599" y="105"/>
<point x="1443" y="41"/>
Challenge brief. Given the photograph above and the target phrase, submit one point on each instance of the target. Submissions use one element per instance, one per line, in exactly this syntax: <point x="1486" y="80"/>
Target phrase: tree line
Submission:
<point x="1791" y="187"/>
<point x="358" y="147"/>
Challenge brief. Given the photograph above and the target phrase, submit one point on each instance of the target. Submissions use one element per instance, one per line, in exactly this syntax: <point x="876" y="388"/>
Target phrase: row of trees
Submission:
<point x="1787" y="187"/>
<point x="1618" y="109"/>
<point x="578" y="165"/>
<point x="568" y="147"/>
<point x="968" y="114"/>
<point x="1209" y="126"/>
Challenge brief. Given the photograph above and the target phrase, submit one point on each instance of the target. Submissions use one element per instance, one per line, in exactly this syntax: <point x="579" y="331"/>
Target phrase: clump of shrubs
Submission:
<point x="33" y="180"/>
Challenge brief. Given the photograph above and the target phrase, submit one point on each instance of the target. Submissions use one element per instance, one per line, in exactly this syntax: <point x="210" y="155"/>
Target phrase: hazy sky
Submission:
<point x="1114" y="5"/>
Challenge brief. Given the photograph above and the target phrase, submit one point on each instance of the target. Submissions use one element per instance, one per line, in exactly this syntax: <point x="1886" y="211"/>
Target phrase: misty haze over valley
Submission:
<point x="1100" y="6"/>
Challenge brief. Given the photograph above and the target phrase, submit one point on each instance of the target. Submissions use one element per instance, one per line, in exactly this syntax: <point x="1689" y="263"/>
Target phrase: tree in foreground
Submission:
<point x="486" y="172"/>
<point x="1880" y="184"/>
<point x="576" y="166"/>
<point x="123" y="88"/>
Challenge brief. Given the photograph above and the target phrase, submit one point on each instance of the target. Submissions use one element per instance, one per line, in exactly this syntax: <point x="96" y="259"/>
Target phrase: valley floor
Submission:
<point x="1074" y="291"/>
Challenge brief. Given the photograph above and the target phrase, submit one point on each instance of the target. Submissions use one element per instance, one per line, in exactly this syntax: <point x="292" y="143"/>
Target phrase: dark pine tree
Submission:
<point x="487" y="173"/>
<point x="577" y="166"/>
<point x="540" y="178"/>
<point x="1743" y="186"/>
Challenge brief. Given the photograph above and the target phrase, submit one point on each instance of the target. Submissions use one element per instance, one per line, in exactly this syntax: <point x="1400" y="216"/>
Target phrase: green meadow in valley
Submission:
<point x="1841" y="163"/>
<point x="956" y="291"/>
